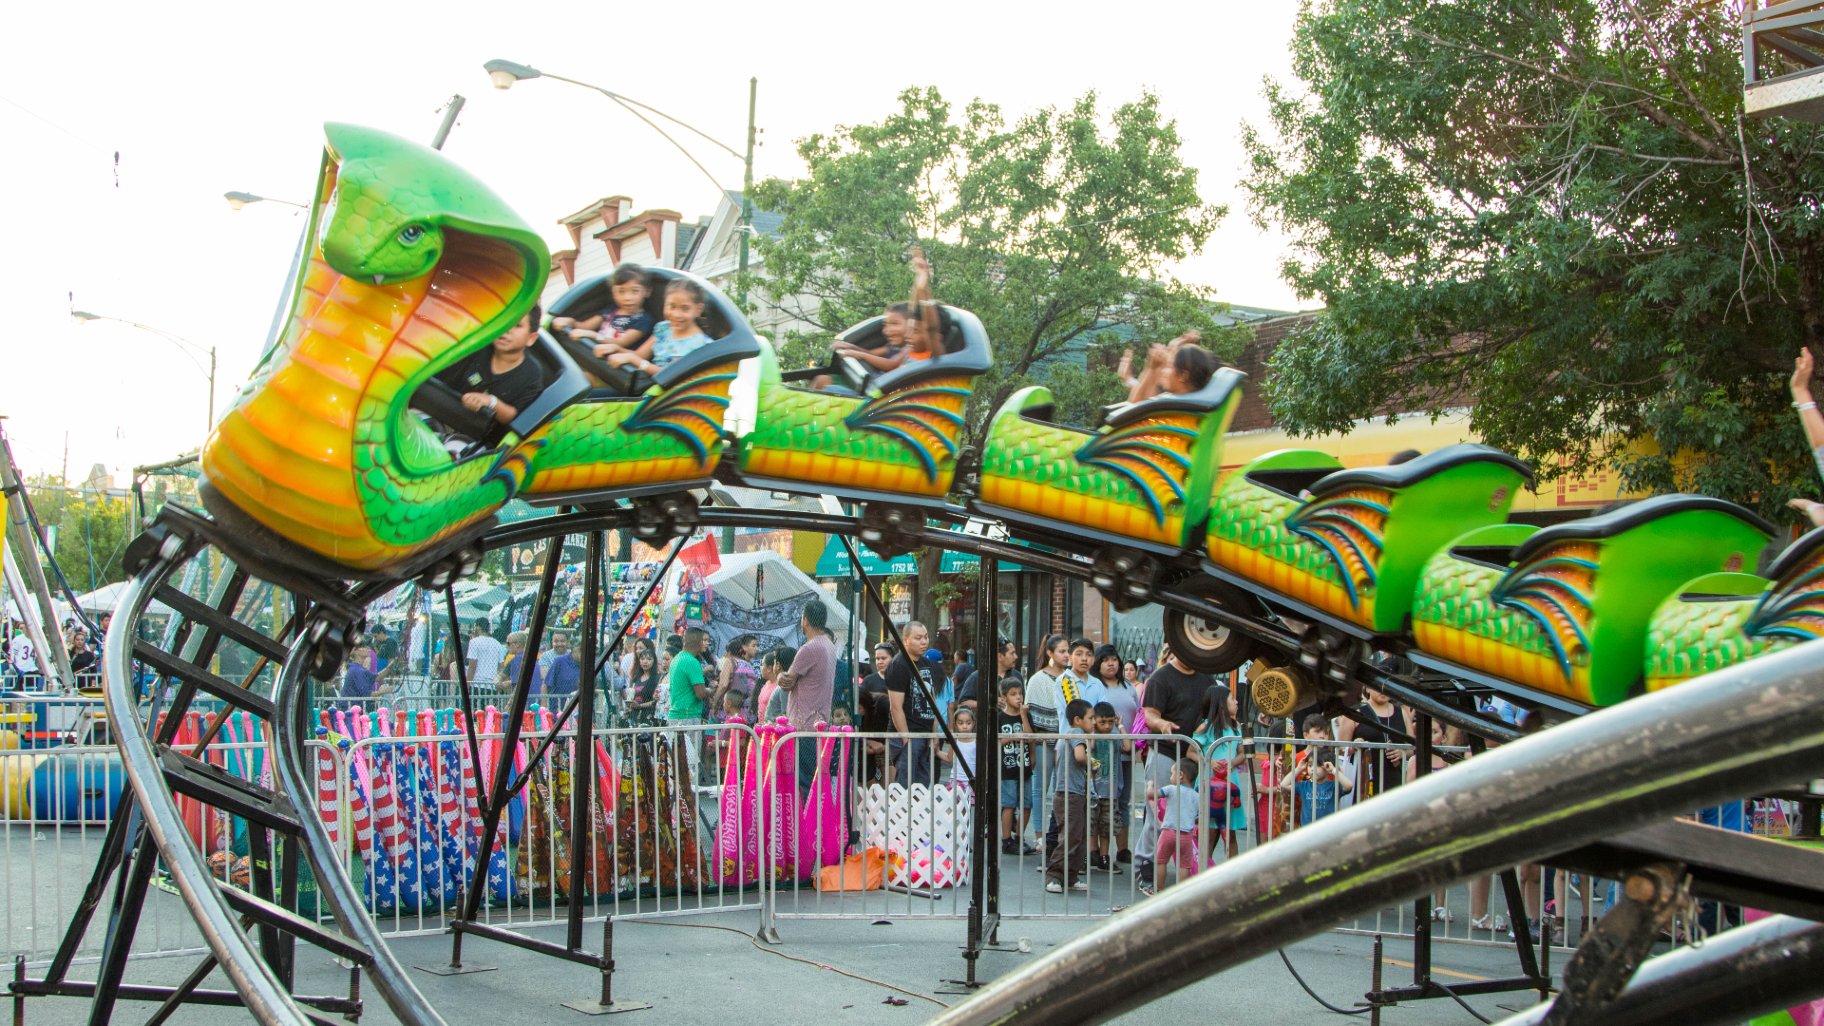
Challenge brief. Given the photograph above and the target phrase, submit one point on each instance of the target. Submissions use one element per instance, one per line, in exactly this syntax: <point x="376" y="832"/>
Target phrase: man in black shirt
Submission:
<point x="500" y="381"/>
<point x="1175" y="701"/>
<point x="911" y="704"/>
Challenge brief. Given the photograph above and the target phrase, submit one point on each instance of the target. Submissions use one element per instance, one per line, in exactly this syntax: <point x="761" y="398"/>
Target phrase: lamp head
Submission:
<point x="83" y="316"/>
<point x="504" y="73"/>
<point x="237" y="200"/>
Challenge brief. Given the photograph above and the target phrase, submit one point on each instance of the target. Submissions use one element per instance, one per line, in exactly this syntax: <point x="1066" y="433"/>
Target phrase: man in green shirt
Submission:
<point x="689" y="690"/>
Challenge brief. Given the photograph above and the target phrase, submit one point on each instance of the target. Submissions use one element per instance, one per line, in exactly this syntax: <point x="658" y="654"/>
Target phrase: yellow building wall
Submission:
<point x="1371" y="443"/>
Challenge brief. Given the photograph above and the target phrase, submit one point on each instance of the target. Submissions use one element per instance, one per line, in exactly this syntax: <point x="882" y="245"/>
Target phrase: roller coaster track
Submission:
<point x="1596" y="792"/>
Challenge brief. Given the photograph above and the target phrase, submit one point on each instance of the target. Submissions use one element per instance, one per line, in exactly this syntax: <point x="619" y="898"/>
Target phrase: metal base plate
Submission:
<point x="446" y="969"/>
<point x="597" y="1008"/>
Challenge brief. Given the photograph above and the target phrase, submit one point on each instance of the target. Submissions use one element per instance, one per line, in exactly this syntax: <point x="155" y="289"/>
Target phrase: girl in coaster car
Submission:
<point x="679" y="332"/>
<point x="925" y="333"/>
<point x="620" y="332"/>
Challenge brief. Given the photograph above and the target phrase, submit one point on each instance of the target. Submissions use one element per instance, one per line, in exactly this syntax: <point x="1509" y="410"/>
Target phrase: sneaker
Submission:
<point x="1124" y="857"/>
<point x="1081" y="887"/>
<point x="1008" y="846"/>
<point x="1099" y="862"/>
<point x="1028" y="849"/>
<point x="1053" y="887"/>
<point x="1146" y="888"/>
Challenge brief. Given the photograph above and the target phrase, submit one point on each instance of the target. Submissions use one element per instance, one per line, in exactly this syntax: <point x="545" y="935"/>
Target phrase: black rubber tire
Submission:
<point x="1204" y="646"/>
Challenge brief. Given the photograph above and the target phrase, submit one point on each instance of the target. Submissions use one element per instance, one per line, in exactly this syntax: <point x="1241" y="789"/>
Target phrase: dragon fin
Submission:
<point x="690" y="410"/>
<point x="918" y="417"/>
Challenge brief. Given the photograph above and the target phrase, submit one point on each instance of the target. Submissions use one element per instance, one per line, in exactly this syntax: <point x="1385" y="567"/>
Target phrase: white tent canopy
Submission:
<point x="106" y="599"/>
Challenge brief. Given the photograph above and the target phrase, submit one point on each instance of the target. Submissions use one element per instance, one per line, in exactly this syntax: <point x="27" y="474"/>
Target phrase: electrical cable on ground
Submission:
<point x="751" y="939"/>
<point x="1358" y="1010"/>
<point x="1460" y="1001"/>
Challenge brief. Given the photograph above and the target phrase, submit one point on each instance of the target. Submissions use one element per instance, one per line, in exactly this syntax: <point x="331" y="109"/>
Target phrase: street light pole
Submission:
<point x="747" y="195"/>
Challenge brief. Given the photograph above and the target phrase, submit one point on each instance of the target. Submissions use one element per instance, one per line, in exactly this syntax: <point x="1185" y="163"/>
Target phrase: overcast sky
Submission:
<point x="200" y="99"/>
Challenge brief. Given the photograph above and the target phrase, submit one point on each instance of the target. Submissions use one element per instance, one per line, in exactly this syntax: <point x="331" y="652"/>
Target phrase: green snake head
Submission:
<point x="379" y="227"/>
<point x="395" y="204"/>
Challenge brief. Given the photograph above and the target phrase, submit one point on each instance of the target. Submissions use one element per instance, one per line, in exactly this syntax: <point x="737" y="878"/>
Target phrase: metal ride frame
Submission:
<point x="1561" y="796"/>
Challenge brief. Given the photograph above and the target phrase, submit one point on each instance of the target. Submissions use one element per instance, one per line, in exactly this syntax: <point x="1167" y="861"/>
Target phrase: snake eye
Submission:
<point x="411" y="233"/>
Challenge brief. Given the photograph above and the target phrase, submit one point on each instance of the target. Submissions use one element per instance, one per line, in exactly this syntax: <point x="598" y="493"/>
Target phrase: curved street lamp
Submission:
<point x="238" y="200"/>
<point x="190" y="349"/>
<point x="503" y="74"/>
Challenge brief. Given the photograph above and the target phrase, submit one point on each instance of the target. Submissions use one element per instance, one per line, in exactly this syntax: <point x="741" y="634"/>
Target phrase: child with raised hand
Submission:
<point x="1178" y="807"/>
<point x="621" y="330"/>
<point x="1813" y="423"/>
<point x="1180" y="367"/>
<point x="925" y="332"/>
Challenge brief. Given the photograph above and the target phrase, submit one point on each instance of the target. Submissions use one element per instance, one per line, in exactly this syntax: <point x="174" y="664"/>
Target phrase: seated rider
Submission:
<point x="925" y="332"/>
<point x="1180" y="368"/>
<point x="907" y="335"/>
<point x="679" y="332"/>
<point x="620" y="332"/>
<point x="887" y="357"/>
<point x="500" y="381"/>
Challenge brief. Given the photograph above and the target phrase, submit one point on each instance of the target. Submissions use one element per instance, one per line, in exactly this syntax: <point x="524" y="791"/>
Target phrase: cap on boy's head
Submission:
<point x="1077" y="709"/>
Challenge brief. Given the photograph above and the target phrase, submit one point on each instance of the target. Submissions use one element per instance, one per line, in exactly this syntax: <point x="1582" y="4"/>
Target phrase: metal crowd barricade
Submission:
<point x="649" y="854"/>
<point x="918" y="839"/>
<point x="55" y="801"/>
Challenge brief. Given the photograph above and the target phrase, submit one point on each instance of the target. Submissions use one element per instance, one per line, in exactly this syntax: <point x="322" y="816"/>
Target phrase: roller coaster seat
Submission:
<point x="1143" y="481"/>
<point x="564" y="384"/>
<point x="898" y="442"/>
<point x="1722" y="619"/>
<point x="721" y="320"/>
<point x="1569" y="614"/>
<point x="1352" y="543"/>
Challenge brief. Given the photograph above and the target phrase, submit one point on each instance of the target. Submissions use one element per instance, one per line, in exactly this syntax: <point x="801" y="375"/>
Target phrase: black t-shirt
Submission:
<point x="1013" y="757"/>
<point x="876" y="717"/>
<point x="517" y="387"/>
<point x="82" y="661"/>
<point x="921" y="716"/>
<point x="1181" y="698"/>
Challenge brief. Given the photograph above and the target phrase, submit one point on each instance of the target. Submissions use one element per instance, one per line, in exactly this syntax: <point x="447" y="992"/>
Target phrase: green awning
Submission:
<point x="834" y="562"/>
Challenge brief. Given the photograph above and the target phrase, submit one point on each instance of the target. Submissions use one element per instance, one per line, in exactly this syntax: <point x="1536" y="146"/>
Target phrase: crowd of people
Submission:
<point x="22" y="670"/>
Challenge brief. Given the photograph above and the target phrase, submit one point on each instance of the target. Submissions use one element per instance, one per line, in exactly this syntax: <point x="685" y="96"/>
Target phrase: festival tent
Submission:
<point x="763" y="593"/>
<point x="106" y="599"/>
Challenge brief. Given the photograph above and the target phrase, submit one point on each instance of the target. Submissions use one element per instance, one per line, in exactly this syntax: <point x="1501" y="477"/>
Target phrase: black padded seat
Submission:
<point x="1500" y="557"/>
<point x="1405" y="475"/>
<point x="1634" y="514"/>
<point x="1291" y="482"/>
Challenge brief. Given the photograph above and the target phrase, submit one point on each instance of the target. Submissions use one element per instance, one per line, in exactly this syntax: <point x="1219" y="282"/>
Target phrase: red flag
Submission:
<point x="702" y="555"/>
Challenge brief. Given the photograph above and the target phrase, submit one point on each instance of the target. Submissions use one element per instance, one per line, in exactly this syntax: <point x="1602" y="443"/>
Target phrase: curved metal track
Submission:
<point x="1752" y="726"/>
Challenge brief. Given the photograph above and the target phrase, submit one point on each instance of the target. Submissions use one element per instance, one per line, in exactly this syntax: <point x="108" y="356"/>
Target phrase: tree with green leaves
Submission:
<point x="91" y="531"/>
<point x="1556" y="215"/>
<point x="1056" y="228"/>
